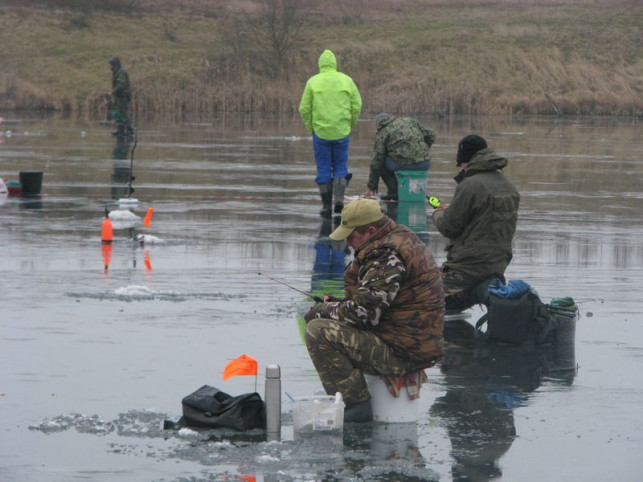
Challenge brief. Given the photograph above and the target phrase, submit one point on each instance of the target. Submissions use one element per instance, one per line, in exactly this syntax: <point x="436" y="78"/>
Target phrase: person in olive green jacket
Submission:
<point x="480" y="223"/>
<point x="330" y="106"/>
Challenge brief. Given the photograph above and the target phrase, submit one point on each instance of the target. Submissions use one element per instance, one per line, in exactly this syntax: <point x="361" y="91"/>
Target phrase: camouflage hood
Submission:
<point x="115" y="63"/>
<point x="384" y="119"/>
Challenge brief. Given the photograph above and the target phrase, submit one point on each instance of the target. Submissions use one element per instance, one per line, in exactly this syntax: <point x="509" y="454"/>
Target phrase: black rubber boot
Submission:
<point x="326" y="227"/>
<point x="326" y="193"/>
<point x="339" y="188"/>
<point x="361" y="412"/>
<point x="390" y="179"/>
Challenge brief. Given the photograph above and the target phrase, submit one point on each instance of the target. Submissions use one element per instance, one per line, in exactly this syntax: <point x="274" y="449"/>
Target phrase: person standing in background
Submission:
<point x="330" y="106"/>
<point x="121" y="97"/>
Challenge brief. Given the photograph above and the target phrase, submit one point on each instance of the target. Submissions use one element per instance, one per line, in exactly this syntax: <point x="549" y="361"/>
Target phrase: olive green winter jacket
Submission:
<point x="330" y="104"/>
<point x="481" y="219"/>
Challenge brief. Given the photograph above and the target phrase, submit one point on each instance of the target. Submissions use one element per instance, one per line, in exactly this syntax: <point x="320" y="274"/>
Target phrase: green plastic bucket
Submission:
<point x="411" y="185"/>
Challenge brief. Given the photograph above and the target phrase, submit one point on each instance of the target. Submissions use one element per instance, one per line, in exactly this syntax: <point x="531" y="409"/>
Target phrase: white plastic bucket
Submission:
<point x="318" y="414"/>
<point x="386" y="407"/>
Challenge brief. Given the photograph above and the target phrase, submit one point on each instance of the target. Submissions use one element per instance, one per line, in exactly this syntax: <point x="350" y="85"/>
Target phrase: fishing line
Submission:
<point x="316" y="298"/>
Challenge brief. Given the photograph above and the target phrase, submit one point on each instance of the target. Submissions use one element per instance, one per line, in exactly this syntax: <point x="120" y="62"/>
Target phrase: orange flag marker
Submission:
<point x="147" y="220"/>
<point x="107" y="231"/>
<point x="243" y="365"/>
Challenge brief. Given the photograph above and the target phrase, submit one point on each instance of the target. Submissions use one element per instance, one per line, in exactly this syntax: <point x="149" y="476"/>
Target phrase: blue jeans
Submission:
<point x="331" y="158"/>
<point x="390" y="167"/>
<point x="393" y="166"/>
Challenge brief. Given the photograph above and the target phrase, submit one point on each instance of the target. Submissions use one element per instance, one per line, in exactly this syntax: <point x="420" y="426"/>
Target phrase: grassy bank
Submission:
<point x="406" y="56"/>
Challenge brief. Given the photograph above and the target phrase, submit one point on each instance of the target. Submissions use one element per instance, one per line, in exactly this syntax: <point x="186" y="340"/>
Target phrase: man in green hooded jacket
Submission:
<point x="330" y="106"/>
<point x="480" y="223"/>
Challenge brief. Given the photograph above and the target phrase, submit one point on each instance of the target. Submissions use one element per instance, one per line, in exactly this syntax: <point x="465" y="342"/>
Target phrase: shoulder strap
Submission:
<point x="479" y="334"/>
<point x="543" y="321"/>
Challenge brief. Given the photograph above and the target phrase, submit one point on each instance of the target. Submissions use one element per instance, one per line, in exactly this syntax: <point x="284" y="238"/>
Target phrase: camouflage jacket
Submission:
<point x="404" y="140"/>
<point x="121" y="89"/>
<point x="394" y="289"/>
<point x="480" y="221"/>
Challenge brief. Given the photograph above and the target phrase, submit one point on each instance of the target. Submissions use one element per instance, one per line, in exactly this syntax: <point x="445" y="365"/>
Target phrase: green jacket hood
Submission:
<point x="485" y="160"/>
<point x="327" y="61"/>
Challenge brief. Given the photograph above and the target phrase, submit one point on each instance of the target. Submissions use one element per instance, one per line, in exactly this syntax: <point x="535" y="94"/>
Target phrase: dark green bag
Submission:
<point x="515" y="320"/>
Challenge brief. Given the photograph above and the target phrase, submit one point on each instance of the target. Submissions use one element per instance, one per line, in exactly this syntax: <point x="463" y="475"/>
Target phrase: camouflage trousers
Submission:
<point x="462" y="292"/>
<point x="120" y="112"/>
<point x="342" y="354"/>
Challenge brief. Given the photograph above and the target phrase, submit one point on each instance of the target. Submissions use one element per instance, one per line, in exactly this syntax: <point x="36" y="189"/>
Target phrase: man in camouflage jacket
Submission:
<point x="391" y="320"/>
<point x="121" y="97"/>
<point x="401" y="144"/>
<point x="480" y="223"/>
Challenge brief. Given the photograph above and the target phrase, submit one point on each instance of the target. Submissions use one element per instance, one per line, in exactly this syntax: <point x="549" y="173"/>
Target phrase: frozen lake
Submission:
<point x="93" y="360"/>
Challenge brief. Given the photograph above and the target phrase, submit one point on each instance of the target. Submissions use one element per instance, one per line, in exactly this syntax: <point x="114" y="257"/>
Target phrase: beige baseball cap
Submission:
<point x="357" y="213"/>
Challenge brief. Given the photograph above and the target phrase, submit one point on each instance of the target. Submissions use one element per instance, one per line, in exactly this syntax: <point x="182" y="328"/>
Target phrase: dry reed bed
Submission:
<point x="428" y="57"/>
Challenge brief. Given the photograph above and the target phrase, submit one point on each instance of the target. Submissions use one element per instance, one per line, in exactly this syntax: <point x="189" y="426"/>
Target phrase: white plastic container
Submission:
<point x="318" y="414"/>
<point x="386" y="407"/>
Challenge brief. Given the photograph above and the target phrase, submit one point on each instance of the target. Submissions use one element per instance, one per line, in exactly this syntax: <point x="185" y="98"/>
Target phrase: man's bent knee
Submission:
<point x="314" y="329"/>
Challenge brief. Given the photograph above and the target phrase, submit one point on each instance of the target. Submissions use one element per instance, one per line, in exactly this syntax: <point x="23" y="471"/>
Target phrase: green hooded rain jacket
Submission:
<point x="330" y="104"/>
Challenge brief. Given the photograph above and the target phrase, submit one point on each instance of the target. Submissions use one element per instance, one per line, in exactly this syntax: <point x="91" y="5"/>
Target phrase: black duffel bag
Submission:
<point x="209" y="407"/>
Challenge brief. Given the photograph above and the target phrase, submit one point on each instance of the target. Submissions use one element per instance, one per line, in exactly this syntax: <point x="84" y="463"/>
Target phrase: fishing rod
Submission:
<point x="131" y="166"/>
<point x="316" y="298"/>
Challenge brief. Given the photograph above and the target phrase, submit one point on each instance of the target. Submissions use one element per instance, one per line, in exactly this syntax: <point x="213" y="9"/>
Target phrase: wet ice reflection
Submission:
<point x="234" y="197"/>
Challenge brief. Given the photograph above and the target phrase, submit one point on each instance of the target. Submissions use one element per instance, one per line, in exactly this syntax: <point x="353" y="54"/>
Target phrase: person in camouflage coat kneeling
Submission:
<point x="480" y="223"/>
<point x="401" y="144"/>
<point x="391" y="320"/>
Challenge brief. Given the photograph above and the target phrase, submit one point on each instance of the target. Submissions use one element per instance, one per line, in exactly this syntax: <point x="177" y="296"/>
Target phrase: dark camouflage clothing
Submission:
<point x="404" y="140"/>
<point x="462" y="292"/>
<point x="342" y="354"/>
<point x="121" y="92"/>
<point x="391" y="320"/>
